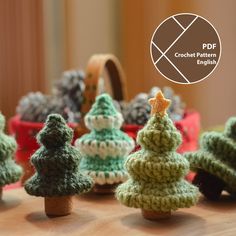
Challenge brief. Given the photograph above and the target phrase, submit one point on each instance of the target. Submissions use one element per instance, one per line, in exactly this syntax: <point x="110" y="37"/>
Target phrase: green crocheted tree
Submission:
<point x="215" y="162"/>
<point x="10" y="172"/>
<point x="57" y="168"/>
<point x="157" y="171"/>
<point x="106" y="146"/>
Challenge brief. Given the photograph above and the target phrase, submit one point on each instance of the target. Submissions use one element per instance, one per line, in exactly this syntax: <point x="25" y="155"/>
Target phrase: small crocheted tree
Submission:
<point x="157" y="171"/>
<point x="215" y="162"/>
<point x="10" y="172"/>
<point x="57" y="175"/>
<point x="105" y="147"/>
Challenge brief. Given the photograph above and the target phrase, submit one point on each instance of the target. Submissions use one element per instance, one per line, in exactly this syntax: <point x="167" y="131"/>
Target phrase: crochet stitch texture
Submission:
<point x="157" y="171"/>
<point x="106" y="146"/>
<point x="56" y="163"/>
<point x="10" y="172"/>
<point x="215" y="162"/>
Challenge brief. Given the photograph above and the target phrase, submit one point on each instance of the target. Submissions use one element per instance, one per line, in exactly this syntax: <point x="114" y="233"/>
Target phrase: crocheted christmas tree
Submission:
<point x="10" y="172"/>
<point x="57" y="175"/>
<point x="106" y="146"/>
<point x="157" y="171"/>
<point x="215" y="162"/>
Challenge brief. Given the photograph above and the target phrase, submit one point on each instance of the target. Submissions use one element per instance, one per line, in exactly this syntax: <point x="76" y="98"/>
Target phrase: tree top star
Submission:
<point x="159" y="104"/>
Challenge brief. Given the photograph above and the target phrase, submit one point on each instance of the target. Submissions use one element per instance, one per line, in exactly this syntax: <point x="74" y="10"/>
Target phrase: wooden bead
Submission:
<point x="155" y="215"/>
<point x="58" y="206"/>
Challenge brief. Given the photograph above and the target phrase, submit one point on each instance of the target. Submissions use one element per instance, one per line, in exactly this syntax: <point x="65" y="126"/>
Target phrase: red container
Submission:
<point x="189" y="127"/>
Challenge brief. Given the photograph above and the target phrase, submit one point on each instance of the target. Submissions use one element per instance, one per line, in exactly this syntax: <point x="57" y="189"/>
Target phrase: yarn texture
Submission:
<point x="106" y="146"/>
<point x="215" y="162"/>
<point x="56" y="163"/>
<point x="10" y="172"/>
<point x="157" y="171"/>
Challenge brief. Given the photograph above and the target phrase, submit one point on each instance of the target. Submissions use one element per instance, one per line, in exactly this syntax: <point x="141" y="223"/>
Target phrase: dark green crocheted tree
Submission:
<point x="106" y="146"/>
<point x="215" y="162"/>
<point x="10" y="172"/>
<point x="56" y="163"/>
<point x="157" y="171"/>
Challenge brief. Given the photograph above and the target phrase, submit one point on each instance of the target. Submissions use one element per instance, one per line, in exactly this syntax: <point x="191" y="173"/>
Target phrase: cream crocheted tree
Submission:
<point x="157" y="171"/>
<point x="106" y="146"/>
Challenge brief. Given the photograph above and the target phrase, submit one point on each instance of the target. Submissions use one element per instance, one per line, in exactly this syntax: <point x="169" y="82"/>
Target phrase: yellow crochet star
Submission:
<point x="159" y="104"/>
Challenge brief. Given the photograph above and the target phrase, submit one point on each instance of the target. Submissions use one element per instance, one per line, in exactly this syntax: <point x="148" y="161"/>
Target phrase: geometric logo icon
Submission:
<point x="185" y="48"/>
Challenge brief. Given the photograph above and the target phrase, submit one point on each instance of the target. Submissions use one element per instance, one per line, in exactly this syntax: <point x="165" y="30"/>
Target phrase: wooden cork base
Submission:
<point x="28" y="171"/>
<point x="58" y="206"/>
<point x="105" y="188"/>
<point x="155" y="215"/>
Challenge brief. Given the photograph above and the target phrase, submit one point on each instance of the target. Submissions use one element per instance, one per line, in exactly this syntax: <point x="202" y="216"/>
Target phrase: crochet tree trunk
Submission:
<point x="57" y="176"/>
<point x="106" y="146"/>
<point x="215" y="162"/>
<point x="10" y="172"/>
<point x="157" y="171"/>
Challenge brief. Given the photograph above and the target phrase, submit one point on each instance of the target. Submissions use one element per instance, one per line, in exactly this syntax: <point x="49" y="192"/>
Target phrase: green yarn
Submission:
<point x="105" y="135"/>
<point x="103" y="106"/>
<point x="156" y="171"/>
<point x="106" y="146"/>
<point x="56" y="163"/>
<point x="95" y="163"/>
<point x="10" y="172"/>
<point x="230" y="128"/>
<point x="217" y="156"/>
<point x="160" y="135"/>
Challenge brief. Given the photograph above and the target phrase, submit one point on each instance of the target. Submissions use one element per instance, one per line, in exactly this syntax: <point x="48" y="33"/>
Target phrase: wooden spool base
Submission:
<point x="58" y="206"/>
<point x="155" y="215"/>
<point x="105" y="188"/>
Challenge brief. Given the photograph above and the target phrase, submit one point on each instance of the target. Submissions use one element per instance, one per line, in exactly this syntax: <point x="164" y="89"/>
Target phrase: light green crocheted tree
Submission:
<point x="157" y="171"/>
<point x="57" y="164"/>
<point x="10" y="172"/>
<point x="215" y="162"/>
<point x="106" y="146"/>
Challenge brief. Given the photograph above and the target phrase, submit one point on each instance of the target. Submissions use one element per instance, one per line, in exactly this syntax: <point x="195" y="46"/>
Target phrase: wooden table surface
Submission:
<point x="101" y="215"/>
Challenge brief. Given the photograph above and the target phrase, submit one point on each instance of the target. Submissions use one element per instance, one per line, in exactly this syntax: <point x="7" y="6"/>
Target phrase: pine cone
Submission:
<point x="70" y="88"/>
<point x="36" y="107"/>
<point x="153" y="91"/>
<point x="54" y="106"/>
<point x="138" y="110"/>
<point x="120" y="106"/>
<point x="31" y="105"/>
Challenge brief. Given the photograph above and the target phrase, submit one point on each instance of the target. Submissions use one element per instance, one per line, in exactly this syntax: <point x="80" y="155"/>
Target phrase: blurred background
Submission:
<point x="41" y="39"/>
